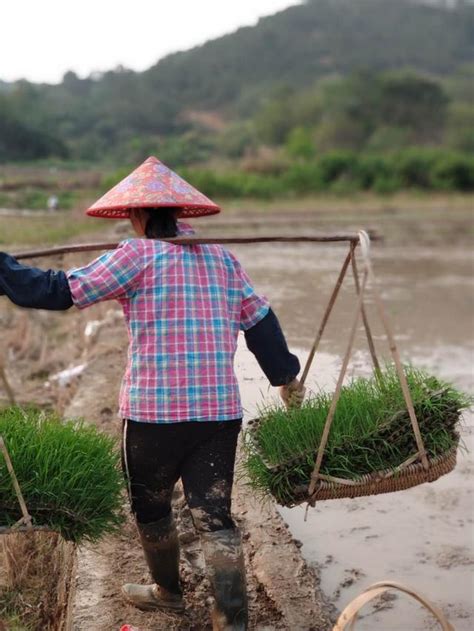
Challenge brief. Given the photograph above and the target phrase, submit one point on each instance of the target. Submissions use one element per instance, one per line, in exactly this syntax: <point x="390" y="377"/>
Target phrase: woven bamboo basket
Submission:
<point x="417" y="469"/>
<point x="409" y="474"/>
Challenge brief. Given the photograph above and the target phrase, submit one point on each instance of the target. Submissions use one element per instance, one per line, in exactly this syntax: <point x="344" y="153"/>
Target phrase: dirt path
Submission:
<point x="283" y="591"/>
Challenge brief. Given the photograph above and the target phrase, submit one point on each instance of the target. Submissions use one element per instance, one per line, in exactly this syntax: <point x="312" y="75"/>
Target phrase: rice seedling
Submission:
<point x="371" y="432"/>
<point x="69" y="474"/>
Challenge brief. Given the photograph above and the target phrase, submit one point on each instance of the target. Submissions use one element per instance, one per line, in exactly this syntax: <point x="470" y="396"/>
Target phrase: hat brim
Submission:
<point x="123" y="212"/>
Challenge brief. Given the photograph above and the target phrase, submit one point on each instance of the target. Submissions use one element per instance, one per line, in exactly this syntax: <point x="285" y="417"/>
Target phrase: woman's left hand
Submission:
<point x="293" y="394"/>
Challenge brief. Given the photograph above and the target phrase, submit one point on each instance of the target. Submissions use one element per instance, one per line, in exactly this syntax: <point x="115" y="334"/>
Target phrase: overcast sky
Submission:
<point x="41" y="39"/>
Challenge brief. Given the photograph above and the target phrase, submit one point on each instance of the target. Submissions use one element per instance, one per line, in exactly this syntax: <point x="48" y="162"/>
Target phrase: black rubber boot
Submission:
<point x="226" y="570"/>
<point x="161" y="547"/>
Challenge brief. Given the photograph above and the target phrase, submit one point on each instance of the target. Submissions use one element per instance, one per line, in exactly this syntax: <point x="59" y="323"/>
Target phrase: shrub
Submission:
<point x="303" y="178"/>
<point x="299" y="144"/>
<point x="345" y="185"/>
<point x="386" y="184"/>
<point x="413" y="167"/>
<point x="454" y="172"/>
<point x="111" y="179"/>
<point x="342" y="172"/>
<point x="336" y="164"/>
<point x="237" y="184"/>
<point x="388" y="138"/>
<point x="370" y="168"/>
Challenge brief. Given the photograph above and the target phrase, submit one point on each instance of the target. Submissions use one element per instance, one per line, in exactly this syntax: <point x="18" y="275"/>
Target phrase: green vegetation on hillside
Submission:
<point x="315" y="39"/>
<point x="326" y="74"/>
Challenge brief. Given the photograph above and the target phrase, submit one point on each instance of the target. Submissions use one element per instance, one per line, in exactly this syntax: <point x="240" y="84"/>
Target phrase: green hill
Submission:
<point x="321" y="37"/>
<point x="229" y="79"/>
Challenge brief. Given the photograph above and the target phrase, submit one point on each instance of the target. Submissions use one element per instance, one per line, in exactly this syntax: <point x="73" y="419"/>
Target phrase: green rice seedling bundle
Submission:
<point x="69" y="474"/>
<point x="371" y="435"/>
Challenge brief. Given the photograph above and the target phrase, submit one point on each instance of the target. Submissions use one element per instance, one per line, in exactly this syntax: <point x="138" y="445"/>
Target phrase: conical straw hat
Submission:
<point x="152" y="185"/>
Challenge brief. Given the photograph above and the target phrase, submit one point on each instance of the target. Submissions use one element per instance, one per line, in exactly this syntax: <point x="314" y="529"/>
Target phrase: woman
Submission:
<point x="184" y="307"/>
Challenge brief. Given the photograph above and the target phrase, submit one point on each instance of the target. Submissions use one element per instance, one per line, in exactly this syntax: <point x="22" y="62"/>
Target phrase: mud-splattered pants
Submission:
<point x="202" y="454"/>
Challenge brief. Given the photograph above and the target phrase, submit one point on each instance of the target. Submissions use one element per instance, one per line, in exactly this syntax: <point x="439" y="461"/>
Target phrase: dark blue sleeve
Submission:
<point x="267" y="342"/>
<point x="32" y="287"/>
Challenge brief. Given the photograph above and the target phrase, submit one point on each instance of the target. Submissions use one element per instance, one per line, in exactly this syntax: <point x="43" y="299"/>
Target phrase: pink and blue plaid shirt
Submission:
<point x="184" y="307"/>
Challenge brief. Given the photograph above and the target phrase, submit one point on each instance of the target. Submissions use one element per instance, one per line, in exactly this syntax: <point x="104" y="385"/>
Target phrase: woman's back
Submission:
<point x="184" y="307"/>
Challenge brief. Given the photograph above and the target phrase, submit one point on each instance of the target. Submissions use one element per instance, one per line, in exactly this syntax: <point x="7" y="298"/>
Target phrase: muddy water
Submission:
<point x="424" y="536"/>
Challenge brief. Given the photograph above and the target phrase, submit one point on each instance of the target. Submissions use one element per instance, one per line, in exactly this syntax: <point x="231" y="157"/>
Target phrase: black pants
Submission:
<point x="202" y="454"/>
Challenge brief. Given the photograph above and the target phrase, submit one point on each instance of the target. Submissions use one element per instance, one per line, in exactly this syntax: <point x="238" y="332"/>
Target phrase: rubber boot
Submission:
<point x="226" y="570"/>
<point x="161" y="547"/>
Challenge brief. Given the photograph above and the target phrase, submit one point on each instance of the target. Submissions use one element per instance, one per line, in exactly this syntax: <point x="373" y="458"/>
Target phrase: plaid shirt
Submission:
<point x="184" y="306"/>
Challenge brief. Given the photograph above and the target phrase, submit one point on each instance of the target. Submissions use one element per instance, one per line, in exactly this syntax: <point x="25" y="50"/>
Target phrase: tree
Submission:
<point x="369" y="109"/>
<point x="275" y="119"/>
<point x="299" y="144"/>
<point x="415" y="103"/>
<point x="20" y="142"/>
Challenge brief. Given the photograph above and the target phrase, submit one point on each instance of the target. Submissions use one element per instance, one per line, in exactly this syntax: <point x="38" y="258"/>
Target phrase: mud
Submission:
<point x="422" y="536"/>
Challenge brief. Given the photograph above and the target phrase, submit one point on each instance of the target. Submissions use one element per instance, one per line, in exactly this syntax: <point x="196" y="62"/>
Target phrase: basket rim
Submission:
<point x="380" y="482"/>
<point x="384" y="474"/>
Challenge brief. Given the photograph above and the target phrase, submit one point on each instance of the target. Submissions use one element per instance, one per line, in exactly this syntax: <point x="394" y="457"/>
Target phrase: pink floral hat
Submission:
<point x="152" y="185"/>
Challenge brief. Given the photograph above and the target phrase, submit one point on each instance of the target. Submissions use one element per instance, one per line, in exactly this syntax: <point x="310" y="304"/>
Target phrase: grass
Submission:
<point x="331" y="213"/>
<point x="38" y="574"/>
<point x="69" y="474"/>
<point x="34" y="199"/>
<point x="44" y="230"/>
<point x="9" y="606"/>
<point x="371" y="432"/>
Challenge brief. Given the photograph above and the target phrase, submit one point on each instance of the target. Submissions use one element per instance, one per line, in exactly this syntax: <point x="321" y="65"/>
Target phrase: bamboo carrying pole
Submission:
<point x="91" y="247"/>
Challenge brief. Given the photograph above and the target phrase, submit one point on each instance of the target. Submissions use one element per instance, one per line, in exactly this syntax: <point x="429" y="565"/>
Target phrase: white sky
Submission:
<point x="41" y="39"/>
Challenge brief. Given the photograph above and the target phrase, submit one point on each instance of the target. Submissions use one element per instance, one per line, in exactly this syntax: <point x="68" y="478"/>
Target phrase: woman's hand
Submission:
<point x="293" y="394"/>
